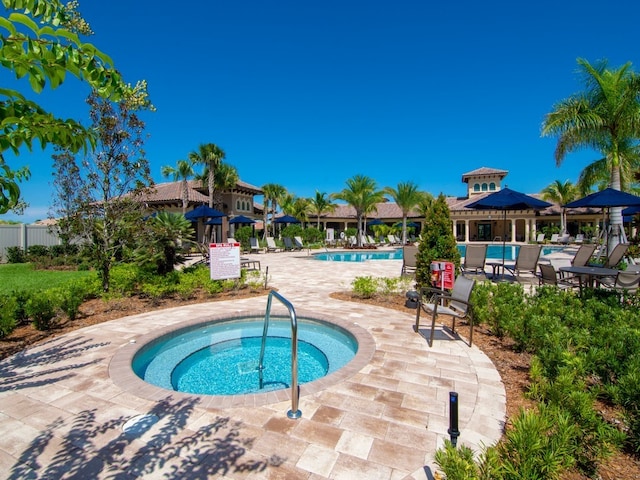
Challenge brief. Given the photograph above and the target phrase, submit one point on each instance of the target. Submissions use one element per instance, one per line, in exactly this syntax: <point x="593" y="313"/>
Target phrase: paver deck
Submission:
<point x="62" y="415"/>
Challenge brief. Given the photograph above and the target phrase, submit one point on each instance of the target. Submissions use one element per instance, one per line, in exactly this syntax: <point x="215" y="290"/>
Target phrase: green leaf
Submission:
<point x="69" y="35"/>
<point x="4" y="23"/>
<point x="24" y="20"/>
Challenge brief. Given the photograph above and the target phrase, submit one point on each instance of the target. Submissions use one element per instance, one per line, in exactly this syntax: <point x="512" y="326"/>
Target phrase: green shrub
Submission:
<point x="125" y="279"/>
<point x="16" y="255"/>
<point x="21" y="297"/>
<point x="41" y="309"/>
<point x="72" y="296"/>
<point x="8" y="321"/>
<point x="365" y="287"/>
<point x="37" y="251"/>
<point x="213" y="287"/>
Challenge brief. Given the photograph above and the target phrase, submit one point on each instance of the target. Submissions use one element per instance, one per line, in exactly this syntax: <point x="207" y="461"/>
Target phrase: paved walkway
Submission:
<point x="63" y="416"/>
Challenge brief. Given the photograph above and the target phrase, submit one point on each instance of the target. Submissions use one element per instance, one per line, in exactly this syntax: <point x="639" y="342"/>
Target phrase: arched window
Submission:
<point x="476" y="187"/>
<point x="237" y="204"/>
<point x="492" y="186"/>
<point x="244" y="205"/>
<point x="484" y="187"/>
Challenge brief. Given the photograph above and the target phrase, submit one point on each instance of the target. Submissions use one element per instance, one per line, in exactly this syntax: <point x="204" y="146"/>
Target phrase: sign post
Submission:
<point x="224" y="260"/>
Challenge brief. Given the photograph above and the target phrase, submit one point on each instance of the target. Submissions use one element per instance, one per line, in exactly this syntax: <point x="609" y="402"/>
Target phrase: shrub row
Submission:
<point x="43" y="308"/>
<point x="585" y="349"/>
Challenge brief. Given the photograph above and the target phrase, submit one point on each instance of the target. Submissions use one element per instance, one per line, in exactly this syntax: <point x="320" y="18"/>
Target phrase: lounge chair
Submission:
<point x="475" y="257"/>
<point x="526" y="261"/>
<point x="409" y="259"/>
<point x="540" y="238"/>
<point x="456" y="304"/>
<point x="554" y="238"/>
<point x="271" y="245"/>
<point x="549" y="276"/>
<point x="255" y="246"/>
<point x="297" y="243"/>
<point x="564" y="239"/>
<point x="579" y="238"/>
<point x="288" y="244"/>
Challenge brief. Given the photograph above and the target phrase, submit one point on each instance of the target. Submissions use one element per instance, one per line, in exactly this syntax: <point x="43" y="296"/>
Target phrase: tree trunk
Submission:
<point x="615" y="213"/>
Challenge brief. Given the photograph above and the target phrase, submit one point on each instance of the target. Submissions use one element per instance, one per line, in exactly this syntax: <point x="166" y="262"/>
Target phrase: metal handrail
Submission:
<point x="295" y="392"/>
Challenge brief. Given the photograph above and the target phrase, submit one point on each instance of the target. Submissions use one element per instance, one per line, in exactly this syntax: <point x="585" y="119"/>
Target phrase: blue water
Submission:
<point x="360" y="256"/>
<point x="222" y="358"/>
<point x="494" y="252"/>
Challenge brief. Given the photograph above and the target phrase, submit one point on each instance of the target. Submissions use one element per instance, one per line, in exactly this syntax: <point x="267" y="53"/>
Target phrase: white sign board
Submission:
<point x="224" y="260"/>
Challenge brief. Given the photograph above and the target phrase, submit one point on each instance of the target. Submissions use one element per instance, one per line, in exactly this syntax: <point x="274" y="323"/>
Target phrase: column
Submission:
<point x="466" y="230"/>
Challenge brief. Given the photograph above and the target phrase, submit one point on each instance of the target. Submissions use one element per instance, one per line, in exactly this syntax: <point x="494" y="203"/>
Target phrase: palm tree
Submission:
<point x="561" y="193"/>
<point x="210" y="156"/>
<point x="181" y="172"/>
<point x="362" y="194"/>
<point x="319" y="205"/>
<point x="606" y="118"/>
<point x="297" y="207"/>
<point x="407" y="197"/>
<point x="225" y="178"/>
<point x="272" y="192"/>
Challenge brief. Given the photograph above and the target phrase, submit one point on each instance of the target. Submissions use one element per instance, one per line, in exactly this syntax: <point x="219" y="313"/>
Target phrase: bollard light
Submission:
<point x="412" y="299"/>
<point x="454" y="433"/>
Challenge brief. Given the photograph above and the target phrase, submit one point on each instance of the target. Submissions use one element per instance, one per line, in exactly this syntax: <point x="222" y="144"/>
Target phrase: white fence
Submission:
<point x="24" y="236"/>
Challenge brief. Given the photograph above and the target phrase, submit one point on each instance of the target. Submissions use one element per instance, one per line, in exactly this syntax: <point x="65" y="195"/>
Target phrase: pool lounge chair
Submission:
<point x="271" y="245"/>
<point x="255" y="246"/>
<point x="456" y="304"/>
<point x="579" y="238"/>
<point x="540" y="238"/>
<point x="475" y="257"/>
<point x="288" y="244"/>
<point x="297" y="243"/>
<point x="526" y="261"/>
<point x="582" y="256"/>
<point x="554" y="238"/>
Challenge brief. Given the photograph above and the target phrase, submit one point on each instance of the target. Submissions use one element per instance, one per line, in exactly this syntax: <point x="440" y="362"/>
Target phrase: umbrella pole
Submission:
<point x="504" y="238"/>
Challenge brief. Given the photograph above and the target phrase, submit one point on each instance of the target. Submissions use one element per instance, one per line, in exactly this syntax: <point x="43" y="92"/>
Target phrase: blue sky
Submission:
<point x="308" y="94"/>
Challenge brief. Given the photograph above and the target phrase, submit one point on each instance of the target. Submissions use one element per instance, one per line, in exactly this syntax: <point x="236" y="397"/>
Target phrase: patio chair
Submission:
<point x="582" y="256"/>
<point x="540" y="238"/>
<point x="564" y="239"/>
<point x="475" y="257"/>
<point x="554" y="238"/>
<point x="549" y="276"/>
<point x="255" y="246"/>
<point x="616" y="255"/>
<point x="579" y="238"/>
<point x="456" y="304"/>
<point x="271" y="245"/>
<point x="526" y="261"/>
<point x="409" y="259"/>
<point x="625" y="282"/>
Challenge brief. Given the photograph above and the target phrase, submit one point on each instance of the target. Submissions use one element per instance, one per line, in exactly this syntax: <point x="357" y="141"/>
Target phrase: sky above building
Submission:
<point x="309" y="94"/>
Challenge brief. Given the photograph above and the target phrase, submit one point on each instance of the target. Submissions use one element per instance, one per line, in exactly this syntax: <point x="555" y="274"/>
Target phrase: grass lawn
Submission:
<point x="22" y="276"/>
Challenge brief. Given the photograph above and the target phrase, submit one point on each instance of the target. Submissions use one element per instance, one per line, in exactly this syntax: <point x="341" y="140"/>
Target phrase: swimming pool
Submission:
<point x="361" y="256"/>
<point x="221" y="358"/>
<point x="494" y="252"/>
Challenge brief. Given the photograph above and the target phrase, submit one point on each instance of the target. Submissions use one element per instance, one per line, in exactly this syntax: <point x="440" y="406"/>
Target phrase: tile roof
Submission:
<point x="172" y="192"/>
<point x="384" y="210"/>
<point x="482" y="171"/>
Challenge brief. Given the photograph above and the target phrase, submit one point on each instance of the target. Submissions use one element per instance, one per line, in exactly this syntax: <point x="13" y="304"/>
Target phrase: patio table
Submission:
<point x="591" y="273"/>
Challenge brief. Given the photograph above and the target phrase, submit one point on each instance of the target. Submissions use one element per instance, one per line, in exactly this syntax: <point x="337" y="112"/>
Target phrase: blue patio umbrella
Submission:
<point x="203" y="211"/>
<point x="375" y="221"/>
<point x="241" y="219"/>
<point x="606" y="198"/>
<point x="286" y="219"/>
<point x="507" y="199"/>
<point x="214" y="221"/>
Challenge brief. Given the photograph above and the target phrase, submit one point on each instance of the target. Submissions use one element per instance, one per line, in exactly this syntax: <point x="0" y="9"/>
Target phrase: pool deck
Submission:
<point x="62" y="414"/>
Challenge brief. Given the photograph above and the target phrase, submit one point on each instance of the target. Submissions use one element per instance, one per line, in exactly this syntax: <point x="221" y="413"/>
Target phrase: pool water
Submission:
<point x="222" y="358"/>
<point x="360" y="256"/>
<point x="494" y="252"/>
